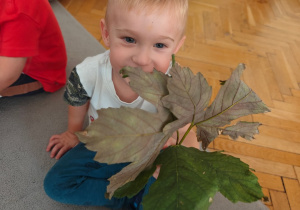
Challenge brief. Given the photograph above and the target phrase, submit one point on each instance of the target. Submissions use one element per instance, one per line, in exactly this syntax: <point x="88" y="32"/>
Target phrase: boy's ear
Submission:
<point x="180" y="43"/>
<point x="104" y="32"/>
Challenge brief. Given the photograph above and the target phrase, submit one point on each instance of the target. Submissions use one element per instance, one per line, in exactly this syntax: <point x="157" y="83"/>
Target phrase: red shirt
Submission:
<point x="30" y="29"/>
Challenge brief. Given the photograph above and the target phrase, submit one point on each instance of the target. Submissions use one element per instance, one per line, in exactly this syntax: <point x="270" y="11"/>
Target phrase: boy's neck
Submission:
<point x="122" y="88"/>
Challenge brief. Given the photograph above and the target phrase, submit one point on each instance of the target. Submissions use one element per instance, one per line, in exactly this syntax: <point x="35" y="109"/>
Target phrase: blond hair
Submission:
<point x="177" y="7"/>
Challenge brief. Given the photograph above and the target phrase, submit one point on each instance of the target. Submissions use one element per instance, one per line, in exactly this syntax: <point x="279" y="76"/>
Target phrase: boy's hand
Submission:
<point x="60" y="144"/>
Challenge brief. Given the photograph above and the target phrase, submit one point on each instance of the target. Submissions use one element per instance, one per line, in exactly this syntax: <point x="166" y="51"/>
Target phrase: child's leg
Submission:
<point x="77" y="179"/>
<point x="25" y="85"/>
<point x="136" y="200"/>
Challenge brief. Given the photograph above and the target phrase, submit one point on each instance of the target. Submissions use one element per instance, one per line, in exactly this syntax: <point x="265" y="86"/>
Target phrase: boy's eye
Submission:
<point x="159" y="45"/>
<point x="129" y="40"/>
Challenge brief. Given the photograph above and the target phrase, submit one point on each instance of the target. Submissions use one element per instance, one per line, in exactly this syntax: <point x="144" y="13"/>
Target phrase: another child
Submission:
<point x="139" y="33"/>
<point x="32" y="50"/>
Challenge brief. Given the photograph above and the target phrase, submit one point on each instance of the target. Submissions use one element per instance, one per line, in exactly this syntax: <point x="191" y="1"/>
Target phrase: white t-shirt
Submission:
<point x="95" y="75"/>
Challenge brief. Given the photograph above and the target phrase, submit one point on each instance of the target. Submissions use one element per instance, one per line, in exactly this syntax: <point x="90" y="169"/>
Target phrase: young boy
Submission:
<point x="139" y="33"/>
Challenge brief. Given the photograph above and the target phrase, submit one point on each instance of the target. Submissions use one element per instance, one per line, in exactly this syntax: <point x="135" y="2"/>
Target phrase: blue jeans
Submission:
<point x="77" y="179"/>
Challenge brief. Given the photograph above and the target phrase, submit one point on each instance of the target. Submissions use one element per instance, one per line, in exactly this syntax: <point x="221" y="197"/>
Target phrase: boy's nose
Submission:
<point x="142" y="58"/>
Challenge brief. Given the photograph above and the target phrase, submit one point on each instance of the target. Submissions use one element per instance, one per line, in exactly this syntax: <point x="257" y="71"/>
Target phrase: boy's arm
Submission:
<point x="60" y="144"/>
<point x="76" y="115"/>
<point x="191" y="139"/>
<point x="10" y="70"/>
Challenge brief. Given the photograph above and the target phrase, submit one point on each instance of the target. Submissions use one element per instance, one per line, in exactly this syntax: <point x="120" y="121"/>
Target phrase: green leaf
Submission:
<point x="190" y="178"/>
<point x="235" y="99"/>
<point x="125" y="135"/>
<point x="245" y="130"/>
<point x="130" y="189"/>
<point x="189" y="95"/>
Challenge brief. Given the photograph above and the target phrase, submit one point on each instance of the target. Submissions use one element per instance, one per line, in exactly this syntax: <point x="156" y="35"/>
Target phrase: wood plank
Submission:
<point x="292" y="187"/>
<point x="74" y="6"/>
<point x="271" y="82"/>
<point x="266" y="166"/>
<point x="292" y="6"/>
<point x="297" y="170"/>
<point x="295" y="92"/>
<point x="227" y="42"/>
<point x="279" y="200"/>
<point x="88" y="6"/>
<point x="267" y="198"/>
<point x="284" y="115"/>
<point x="270" y="181"/>
<point x="226" y="25"/>
<point x="254" y="77"/>
<point x="282" y="24"/>
<point x="209" y="28"/>
<point x="257" y="42"/>
<point x="279" y="68"/>
<point x="291" y="99"/>
<point x="279" y="119"/>
<point x="207" y="69"/>
<point x="288" y="107"/>
<point x="276" y="35"/>
<point x="251" y="149"/>
<point x="65" y="2"/>
<point x="250" y="19"/>
<point x="101" y="5"/>
<point x="275" y="8"/>
<point x="292" y="65"/>
<point x="238" y="16"/>
<point x="214" y="55"/>
<point x="295" y="48"/>
<point x="293" y="136"/>
<point x="275" y="143"/>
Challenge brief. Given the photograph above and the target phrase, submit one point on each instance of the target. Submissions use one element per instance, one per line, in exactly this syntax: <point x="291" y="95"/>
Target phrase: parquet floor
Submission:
<point x="265" y="35"/>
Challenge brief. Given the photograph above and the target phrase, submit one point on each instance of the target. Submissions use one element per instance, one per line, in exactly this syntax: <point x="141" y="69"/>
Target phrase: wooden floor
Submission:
<point x="265" y="35"/>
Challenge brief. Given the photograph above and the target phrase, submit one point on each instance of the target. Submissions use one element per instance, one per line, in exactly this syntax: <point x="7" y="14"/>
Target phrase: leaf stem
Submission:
<point x="177" y="138"/>
<point x="186" y="133"/>
<point x="173" y="60"/>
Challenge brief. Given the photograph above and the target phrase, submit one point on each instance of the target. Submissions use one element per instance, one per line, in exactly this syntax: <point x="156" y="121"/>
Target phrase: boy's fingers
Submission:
<point x="54" y="137"/>
<point x="61" y="152"/>
<point x="52" y="143"/>
<point x="54" y="150"/>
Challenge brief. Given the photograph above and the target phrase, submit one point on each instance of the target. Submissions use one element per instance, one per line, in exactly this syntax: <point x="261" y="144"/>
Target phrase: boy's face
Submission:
<point x="141" y="40"/>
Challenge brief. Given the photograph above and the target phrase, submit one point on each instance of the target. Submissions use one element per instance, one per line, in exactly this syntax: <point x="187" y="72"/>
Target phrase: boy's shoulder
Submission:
<point x="94" y="61"/>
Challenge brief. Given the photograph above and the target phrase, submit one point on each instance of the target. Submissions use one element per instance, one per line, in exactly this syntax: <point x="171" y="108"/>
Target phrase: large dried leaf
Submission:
<point x="150" y="86"/>
<point x="235" y="99"/>
<point x="190" y="178"/>
<point x="125" y="135"/>
<point x="189" y="95"/>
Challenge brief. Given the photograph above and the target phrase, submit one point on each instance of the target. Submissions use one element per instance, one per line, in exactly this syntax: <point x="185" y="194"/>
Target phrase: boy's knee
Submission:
<point x="57" y="186"/>
<point x="51" y="186"/>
